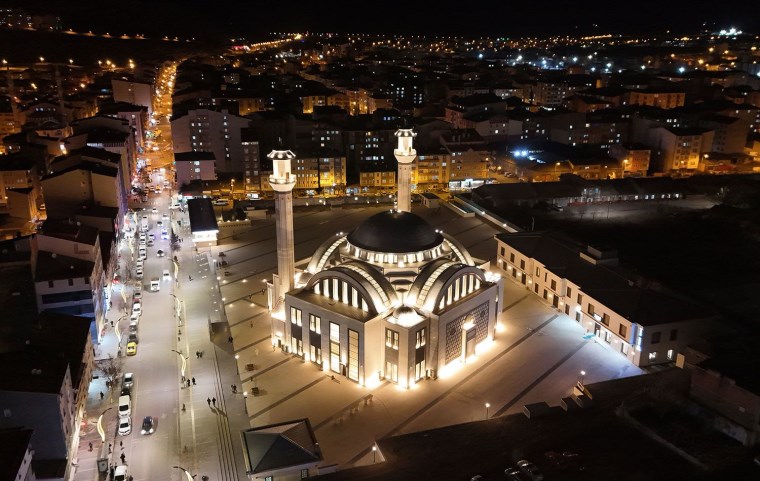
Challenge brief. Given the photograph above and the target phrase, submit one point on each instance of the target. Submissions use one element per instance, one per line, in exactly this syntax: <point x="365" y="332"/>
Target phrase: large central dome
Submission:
<point x="395" y="232"/>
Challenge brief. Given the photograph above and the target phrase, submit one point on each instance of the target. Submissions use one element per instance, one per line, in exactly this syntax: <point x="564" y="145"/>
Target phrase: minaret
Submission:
<point x="282" y="182"/>
<point x="405" y="155"/>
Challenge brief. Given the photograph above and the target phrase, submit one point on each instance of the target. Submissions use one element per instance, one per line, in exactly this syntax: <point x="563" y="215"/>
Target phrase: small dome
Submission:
<point x="407" y="316"/>
<point x="395" y="232"/>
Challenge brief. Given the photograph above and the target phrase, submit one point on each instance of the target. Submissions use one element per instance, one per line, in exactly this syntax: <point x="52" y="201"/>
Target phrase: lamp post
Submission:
<point x="187" y="473"/>
<point x="116" y="328"/>
<point x="374" y="454"/>
<point x="184" y="361"/>
<point x="488" y="405"/>
<point x="177" y="304"/>
<point x="583" y="375"/>
<point x="237" y="369"/>
<point x="556" y="169"/>
<point x="100" y="425"/>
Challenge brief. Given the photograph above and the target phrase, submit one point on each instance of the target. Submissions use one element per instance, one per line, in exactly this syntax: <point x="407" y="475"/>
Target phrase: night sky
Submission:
<point x="502" y="18"/>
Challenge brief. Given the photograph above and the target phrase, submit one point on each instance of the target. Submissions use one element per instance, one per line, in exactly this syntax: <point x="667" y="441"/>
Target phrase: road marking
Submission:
<point x="456" y="386"/>
<point x="289" y="396"/>
<point x="538" y="380"/>
<point x="516" y="302"/>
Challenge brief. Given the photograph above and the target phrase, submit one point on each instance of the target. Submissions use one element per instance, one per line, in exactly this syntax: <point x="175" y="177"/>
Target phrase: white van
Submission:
<point x="125" y="406"/>
<point x="155" y="284"/>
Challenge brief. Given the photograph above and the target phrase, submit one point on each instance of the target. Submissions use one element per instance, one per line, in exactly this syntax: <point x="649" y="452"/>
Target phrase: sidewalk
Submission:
<point x="86" y="466"/>
<point x="209" y="434"/>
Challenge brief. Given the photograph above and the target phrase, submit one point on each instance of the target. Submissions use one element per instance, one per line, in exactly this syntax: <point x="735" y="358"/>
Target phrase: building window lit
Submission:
<point x="391" y="339"/>
<point x="295" y="316"/>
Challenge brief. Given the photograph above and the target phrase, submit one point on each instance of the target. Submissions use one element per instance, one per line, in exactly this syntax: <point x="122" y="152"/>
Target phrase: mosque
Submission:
<point x="395" y="299"/>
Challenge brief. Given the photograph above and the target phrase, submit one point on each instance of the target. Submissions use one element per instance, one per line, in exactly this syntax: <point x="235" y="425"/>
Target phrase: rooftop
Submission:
<point x="202" y="216"/>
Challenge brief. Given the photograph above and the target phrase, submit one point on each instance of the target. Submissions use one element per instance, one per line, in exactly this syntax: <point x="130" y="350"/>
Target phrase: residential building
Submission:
<point x="136" y="115"/>
<point x="679" y="149"/>
<point x="18" y="172"/>
<point x="195" y="165"/>
<point x="646" y="325"/>
<point x="16" y="452"/>
<point x="133" y="92"/>
<point x="635" y="158"/>
<point x="204" y="130"/>
<point x="203" y="224"/>
<point x="286" y="451"/>
<point x="85" y="182"/>
<point x="36" y="393"/>
<point x="380" y="180"/>
<point x="431" y="169"/>
<point x="662" y="97"/>
<point x="251" y="160"/>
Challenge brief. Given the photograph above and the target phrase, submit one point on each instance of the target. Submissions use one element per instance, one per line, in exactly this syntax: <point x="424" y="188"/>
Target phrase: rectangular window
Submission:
<point x="391" y="339"/>
<point x="335" y="347"/>
<point x="295" y="316"/>
<point x="538" y="271"/>
<point x="553" y="285"/>
<point x="608" y="336"/>
<point x="503" y="251"/>
<point x="580" y="299"/>
<point x="353" y="355"/>
<point x="591" y="309"/>
<point x="86" y="280"/>
<point x="391" y="371"/>
<point x="653" y="355"/>
<point x="315" y="323"/>
<point x="673" y="334"/>
<point x="512" y="258"/>
<point x="671" y="353"/>
<point x="51" y="284"/>
<point x="655" y="338"/>
<point x="623" y="331"/>
<point x="568" y="292"/>
<point x="522" y="264"/>
<point x="420" y="338"/>
<point x="606" y="319"/>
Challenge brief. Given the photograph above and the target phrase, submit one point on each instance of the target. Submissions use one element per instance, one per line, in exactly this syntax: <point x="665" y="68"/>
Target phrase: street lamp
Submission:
<point x="374" y="454"/>
<point x="177" y="304"/>
<point x="100" y="425"/>
<point x="184" y="361"/>
<point x="187" y="473"/>
<point x="116" y="328"/>
<point x="237" y="356"/>
<point x="488" y="405"/>
<point x="583" y="374"/>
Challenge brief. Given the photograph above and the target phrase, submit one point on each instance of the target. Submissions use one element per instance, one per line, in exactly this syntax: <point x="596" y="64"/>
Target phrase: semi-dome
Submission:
<point x="395" y="232"/>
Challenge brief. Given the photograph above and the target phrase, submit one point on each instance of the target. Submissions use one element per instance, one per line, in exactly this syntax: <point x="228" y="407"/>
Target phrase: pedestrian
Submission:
<point x="188" y="383"/>
<point x="234" y="389"/>
<point x="109" y="448"/>
<point x="183" y="379"/>
<point x="102" y="395"/>
<point x="111" y="323"/>
<point x="190" y="278"/>
<point x="121" y="444"/>
<point x="123" y="458"/>
<point x="90" y="446"/>
<point x="208" y="400"/>
<point x="183" y="407"/>
<point x="197" y="354"/>
<point x="193" y="381"/>
<point x="201" y="354"/>
<point x="213" y="401"/>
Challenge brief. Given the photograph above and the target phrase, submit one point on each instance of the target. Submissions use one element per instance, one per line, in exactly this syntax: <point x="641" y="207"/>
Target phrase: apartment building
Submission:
<point x="18" y="172"/>
<point x="634" y="157"/>
<point x="205" y="130"/>
<point x="647" y="326"/>
<point x="679" y="149"/>
<point x="431" y="169"/>
<point x="664" y="98"/>
<point x="196" y="165"/>
<point x="133" y="92"/>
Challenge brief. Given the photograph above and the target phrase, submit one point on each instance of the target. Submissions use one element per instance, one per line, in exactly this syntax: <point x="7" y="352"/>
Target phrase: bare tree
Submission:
<point x="112" y="369"/>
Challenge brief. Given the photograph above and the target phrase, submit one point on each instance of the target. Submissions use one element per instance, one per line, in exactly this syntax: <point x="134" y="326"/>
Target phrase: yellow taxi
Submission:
<point x="131" y="348"/>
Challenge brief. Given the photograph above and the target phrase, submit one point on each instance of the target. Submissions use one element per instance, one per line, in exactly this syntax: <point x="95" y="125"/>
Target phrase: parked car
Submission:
<point x="120" y="473"/>
<point x="160" y="253"/>
<point x="125" y="426"/>
<point x="154" y="211"/>
<point x="152" y="236"/>
<point x="137" y="307"/>
<point x="125" y="406"/>
<point x="150" y="242"/>
<point x="164" y="235"/>
<point x="133" y="329"/>
<point x="514" y="474"/>
<point x="133" y="338"/>
<point x="530" y="469"/>
<point x="128" y="379"/>
<point x="137" y="296"/>
<point x="148" y="425"/>
<point x="166" y="275"/>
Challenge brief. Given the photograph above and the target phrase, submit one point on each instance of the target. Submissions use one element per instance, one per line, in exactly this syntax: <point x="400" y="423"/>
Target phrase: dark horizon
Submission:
<point x="485" y="18"/>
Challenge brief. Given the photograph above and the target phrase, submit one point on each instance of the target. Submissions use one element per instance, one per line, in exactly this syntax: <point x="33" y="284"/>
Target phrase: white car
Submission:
<point x="125" y="406"/>
<point x="120" y="473"/>
<point x="129" y="379"/>
<point x="167" y="276"/>
<point x="154" y="211"/>
<point x="139" y="263"/>
<point x="125" y="426"/>
<point x="139" y="272"/>
<point x="134" y="318"/>
<point x="152" y="236"/>
<point x="164" y="235"/>
<point x="165" y="216"/>
<point x="137" y="307"/>
<point x="137" y="295"/>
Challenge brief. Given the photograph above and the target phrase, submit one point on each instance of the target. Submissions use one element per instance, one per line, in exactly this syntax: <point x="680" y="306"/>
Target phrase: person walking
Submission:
<point x="110" y="450"/>
<point x="102" y="395"/>
<point x="188" y="383"/>
<point x="209" y="402"/>
<point x="213" y="401"/>
<point x="193" y="381"/>
<point x="121" y="444"/>
<point x="90" y="446"/>
<point x="197" y="354"/>
<point x="123" y="458"/>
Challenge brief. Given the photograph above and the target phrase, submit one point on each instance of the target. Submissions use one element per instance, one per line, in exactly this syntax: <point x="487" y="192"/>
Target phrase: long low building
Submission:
<point x="636" y="318"/>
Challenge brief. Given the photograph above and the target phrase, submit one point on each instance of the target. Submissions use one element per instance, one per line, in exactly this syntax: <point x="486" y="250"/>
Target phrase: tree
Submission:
<point x="112" y="369"/>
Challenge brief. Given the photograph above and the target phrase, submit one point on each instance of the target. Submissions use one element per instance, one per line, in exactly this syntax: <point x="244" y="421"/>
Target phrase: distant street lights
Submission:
<point x="488" y="405"/>
<point x="100" y="425"/>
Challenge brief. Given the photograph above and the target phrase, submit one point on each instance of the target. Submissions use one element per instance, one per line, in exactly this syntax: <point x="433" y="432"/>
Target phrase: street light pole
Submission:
<point x="374" y="454"/>
<point x="488" y="405"/>
<point x="116" y="328"/>
<point x="187" y="473"/>
<point x="184" y="361"/>
<point x="100" y="425"/>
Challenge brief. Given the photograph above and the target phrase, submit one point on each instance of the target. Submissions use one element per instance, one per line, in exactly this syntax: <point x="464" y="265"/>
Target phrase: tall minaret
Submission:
<point x="282" y="182"/>
<point x="405" y="155"/>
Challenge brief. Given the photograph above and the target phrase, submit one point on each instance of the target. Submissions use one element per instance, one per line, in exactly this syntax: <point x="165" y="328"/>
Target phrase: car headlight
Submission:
<point x="151" y="430"/>
<point x="143" y="431"/>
